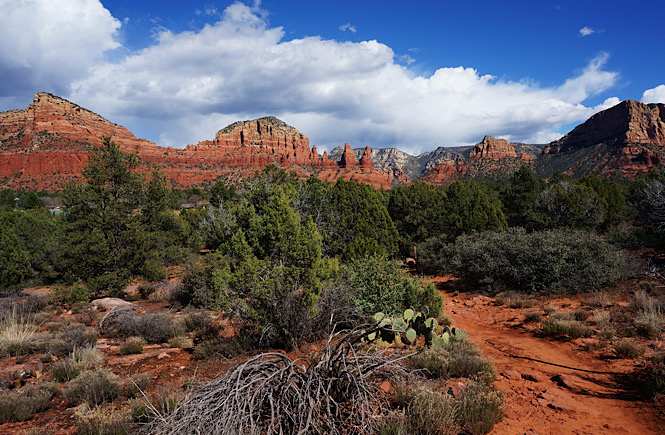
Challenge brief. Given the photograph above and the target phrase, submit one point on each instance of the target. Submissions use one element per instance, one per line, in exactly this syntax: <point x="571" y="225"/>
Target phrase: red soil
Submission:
<point x="550" y="386"/>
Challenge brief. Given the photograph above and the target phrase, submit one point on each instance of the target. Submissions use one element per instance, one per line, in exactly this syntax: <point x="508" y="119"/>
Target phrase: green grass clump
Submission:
<point x="132" y="345"/>
<point x="627" y="348"/>
<point x="566" y="328"/>
<point x="480" y="408"/>
<point x="426" y="411"/>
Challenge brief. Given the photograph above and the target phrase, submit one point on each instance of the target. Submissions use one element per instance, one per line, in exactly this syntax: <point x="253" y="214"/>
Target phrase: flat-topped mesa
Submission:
<point x="348" y="158"/>
<point x="366" y="159"/>
<point x="492" y="148"/>
<point x="628" y="123"/>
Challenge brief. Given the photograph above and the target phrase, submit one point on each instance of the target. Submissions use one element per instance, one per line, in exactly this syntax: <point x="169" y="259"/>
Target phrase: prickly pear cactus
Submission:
<point x="407" y="329"/>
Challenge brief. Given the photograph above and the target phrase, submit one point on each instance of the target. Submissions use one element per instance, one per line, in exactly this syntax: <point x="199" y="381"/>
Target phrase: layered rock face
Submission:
<point x="258" y="143"/>
<point x="48" y="144"/>
<point x="492" y="148"/>
<point x="621" y="142"/>
<point x="628" y="123"/>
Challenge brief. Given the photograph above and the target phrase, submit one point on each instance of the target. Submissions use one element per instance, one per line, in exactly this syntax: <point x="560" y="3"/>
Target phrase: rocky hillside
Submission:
<point x="621" y="142"/>
<point x="48" y="143"/>
<point x="445" y="165"/>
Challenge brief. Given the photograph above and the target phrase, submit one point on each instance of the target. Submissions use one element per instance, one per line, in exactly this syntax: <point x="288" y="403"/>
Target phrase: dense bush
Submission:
<point x="153" y="327"/>
<point x="381" y="285"/>
<point x="543" y="261"/>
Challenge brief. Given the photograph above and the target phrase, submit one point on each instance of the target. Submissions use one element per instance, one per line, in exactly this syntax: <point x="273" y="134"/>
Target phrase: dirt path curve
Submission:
<point x="551" y="387"/>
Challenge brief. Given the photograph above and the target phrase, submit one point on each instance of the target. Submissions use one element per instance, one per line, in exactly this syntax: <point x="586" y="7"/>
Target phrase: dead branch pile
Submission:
<point x="336" y="392"/>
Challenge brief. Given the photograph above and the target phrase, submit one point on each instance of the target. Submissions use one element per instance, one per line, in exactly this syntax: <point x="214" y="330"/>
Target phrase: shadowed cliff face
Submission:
<point x="628" y="123"/>
<point x="48" y="144"/>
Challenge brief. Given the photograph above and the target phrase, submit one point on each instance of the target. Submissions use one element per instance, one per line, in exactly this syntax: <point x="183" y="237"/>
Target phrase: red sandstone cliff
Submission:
<point x="621" y="142"/>
<point x="48" y="144"/>
<point x="492" y="148"/>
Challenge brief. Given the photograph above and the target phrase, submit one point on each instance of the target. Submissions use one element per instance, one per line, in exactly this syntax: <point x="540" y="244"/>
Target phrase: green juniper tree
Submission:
<point x="105" y="236"/>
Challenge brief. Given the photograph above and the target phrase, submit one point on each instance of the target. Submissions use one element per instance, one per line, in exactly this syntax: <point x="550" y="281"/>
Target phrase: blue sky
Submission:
<point x="409" y="74"/>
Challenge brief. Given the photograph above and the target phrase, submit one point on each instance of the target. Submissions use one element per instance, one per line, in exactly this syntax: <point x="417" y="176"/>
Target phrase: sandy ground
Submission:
<point x="551" y="386"/>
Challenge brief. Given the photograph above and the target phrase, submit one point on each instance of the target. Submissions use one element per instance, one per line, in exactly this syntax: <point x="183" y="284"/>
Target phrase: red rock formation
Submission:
<point x="444" y="174"/>
<point x="629" y="122"/>
<point x="326" y="162"/>
<point x="348" y="158"/>
<point x="492" y="148"/>
<point x="48" y="144"/>
<point x="366" y="159"/>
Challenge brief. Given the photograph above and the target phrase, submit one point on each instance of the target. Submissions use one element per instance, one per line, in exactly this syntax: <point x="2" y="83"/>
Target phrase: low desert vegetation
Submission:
<point x="276" y="263"/>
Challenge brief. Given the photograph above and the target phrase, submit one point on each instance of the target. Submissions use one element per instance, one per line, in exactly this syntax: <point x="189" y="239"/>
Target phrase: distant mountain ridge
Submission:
<point x="48" y="143"/>
<point x="415" y="166"/>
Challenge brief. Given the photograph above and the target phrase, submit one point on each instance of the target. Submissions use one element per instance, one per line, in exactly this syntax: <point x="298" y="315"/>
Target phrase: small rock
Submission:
<point x="162" y="355"/>
<point x="385" y="386"/>
<point x="110" y="303"/>
<point x="513" y="375"/>
<point x="532" y="375"/>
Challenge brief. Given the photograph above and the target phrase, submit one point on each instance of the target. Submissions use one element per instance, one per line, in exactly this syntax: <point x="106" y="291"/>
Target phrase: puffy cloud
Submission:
<point x="48" y="43"/>
<point x="586" y="31"/>
<point x="655" y="95"/>
<point x="188" y="85"/>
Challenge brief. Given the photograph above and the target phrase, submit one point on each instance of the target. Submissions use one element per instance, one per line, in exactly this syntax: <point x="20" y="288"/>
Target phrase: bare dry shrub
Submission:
<point x="335" y="392"/>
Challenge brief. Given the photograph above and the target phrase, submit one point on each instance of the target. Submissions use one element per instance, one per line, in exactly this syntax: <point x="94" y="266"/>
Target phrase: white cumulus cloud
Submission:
<point x="586" y="31"/>
<point x="190" y="84"/>
<point x="45" y="44"/>
<point x="655" y="95"/>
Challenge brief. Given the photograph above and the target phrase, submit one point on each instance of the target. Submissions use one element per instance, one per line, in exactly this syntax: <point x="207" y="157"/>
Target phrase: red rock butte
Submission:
<point x="48" y="143"/>
<point x="492" y="148"/>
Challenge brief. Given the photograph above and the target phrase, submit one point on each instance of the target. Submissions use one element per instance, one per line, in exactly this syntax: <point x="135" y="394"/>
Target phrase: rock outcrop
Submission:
<point x="366" y="160"/>
<point x="258" y="143"/>
<point x="348" y="158"/>
<point x="492" y="148"/>
<point x="621" y="142"/>
<point x="48" y="143"/>
<point x="628" y="123"/>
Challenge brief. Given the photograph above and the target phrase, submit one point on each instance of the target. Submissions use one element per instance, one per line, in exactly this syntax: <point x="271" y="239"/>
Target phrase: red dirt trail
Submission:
<point x="551" y="387"/>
